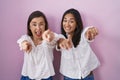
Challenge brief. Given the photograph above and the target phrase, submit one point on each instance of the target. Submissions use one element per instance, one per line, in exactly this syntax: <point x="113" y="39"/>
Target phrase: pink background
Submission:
<point x="104" y="14"/>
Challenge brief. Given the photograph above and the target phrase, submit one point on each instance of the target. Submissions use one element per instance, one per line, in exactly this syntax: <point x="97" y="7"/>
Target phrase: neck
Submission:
<point x="37" y="41"/>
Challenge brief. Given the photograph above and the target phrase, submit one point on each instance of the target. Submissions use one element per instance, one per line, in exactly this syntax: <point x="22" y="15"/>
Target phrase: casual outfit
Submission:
<point x="77" y="63"/>
<point x="38" y="64"/>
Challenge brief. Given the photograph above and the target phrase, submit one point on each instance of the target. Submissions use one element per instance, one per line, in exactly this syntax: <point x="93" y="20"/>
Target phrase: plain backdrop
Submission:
<point x="103" y="14"/>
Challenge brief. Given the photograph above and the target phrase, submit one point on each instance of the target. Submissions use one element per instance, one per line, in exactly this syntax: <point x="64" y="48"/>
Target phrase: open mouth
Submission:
<point x="38" y="33"/>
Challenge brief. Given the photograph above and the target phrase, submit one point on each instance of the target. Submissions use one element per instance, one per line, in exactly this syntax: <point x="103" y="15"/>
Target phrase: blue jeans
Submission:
<point x="89" y="77"/>
<point x="27" y="78"/>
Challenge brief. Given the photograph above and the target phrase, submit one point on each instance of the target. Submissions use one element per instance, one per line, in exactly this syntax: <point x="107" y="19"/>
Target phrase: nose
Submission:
<point x="67" y="24"/>
<point x="38" y="27"/>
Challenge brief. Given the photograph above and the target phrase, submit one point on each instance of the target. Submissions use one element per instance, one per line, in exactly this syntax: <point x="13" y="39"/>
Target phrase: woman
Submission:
<point x="38" y="47"/>
<point x="77" y="59"/>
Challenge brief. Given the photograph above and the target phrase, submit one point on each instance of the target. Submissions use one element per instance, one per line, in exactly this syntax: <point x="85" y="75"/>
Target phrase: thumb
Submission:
<point x="69" y="37"/>
<point x="88" y="34"/>
<point x="69" y="41"/>
<point x="48" y="31"/>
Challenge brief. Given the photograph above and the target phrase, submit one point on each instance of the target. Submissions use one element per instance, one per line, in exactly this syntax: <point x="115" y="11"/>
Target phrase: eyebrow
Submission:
<point x="33" y="22"/>
<point x="70" y="18"/>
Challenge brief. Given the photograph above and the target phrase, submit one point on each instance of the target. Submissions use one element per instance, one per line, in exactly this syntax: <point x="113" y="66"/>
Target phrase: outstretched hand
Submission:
<point x="26" y="46"/>
<point x="91" y="33"/>
<point x="65" y="43"/>
<point x="48" y="35"/>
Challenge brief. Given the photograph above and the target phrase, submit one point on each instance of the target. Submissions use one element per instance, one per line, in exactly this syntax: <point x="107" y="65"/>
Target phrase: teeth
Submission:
<point x="37" y="33"/>
<point x="67" y="28"/>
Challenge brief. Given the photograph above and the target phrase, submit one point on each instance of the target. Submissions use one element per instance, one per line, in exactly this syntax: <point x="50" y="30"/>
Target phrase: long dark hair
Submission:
<point x="79" y="27"/>
<point x="34" y="15"/>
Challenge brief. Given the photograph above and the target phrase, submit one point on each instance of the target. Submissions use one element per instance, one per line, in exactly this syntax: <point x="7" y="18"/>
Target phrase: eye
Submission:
<point x="41" y="24"/>
<point x="34" y="24"/>
<point x="72" y="21"/>
<point x="64" y="20"/>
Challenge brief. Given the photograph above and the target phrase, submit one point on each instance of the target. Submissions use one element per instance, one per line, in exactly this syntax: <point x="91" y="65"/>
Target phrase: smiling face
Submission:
<point x="37" y="27"/>
<point x="69" y="24"/>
